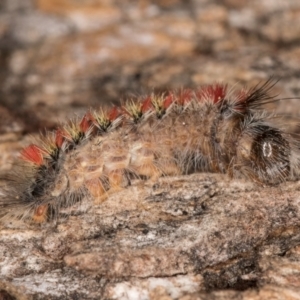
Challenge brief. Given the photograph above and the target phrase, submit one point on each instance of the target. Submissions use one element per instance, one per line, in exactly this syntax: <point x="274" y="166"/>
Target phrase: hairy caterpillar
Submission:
<point x="212" y="129"/>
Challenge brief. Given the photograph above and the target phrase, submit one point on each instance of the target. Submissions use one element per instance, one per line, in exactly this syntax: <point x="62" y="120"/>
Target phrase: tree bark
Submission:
<point x="200" y="236"/>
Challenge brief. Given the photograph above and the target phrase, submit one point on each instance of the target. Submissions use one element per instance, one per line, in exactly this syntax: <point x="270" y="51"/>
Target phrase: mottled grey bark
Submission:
<point x="185" y="236"/>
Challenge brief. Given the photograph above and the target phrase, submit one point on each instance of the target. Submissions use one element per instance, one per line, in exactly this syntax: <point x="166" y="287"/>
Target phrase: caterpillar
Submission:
<point x="213" y="128"/>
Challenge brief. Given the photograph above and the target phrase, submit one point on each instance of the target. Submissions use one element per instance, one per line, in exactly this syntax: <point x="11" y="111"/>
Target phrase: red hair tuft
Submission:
<point x="85" y="123"/>
<point x="147" y="104"/>
<point x="33" y="154"/>
<point x="59" y="138"/>
<point x="184" y="96"/>
<point x="168" y="101"/>
<point x="114" y="113"/>
<point x="214" y="92"/>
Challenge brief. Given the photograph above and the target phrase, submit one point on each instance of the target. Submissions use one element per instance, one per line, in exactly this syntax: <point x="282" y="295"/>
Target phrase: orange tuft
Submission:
<point x="33" y="154"/>
<point x="85" y="123"/>
<point x="95" y="187"/>
<point x="147" y="104"/>
<point x="114" y="113"/>
<point x="168" y="101"/>
<point x="40" y="214"/>
<point x="59" y="138"/>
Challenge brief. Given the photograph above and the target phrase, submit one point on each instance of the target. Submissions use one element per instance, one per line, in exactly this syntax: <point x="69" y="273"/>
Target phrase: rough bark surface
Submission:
<point x="185" y="237"/>
<point x="200" y="236"/>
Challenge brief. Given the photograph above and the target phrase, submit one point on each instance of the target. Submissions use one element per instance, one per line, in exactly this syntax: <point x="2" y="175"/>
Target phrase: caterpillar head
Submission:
<point x="271" y="155"/>
<point x="263" y="153"/>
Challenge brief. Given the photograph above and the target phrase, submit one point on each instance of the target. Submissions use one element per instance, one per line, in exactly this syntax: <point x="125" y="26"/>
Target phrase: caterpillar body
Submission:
<point x="211" y="129"/>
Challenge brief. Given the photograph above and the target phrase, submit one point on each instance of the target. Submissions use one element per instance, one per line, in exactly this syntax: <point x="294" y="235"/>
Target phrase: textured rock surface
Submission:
<point x="193" y="237"/>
